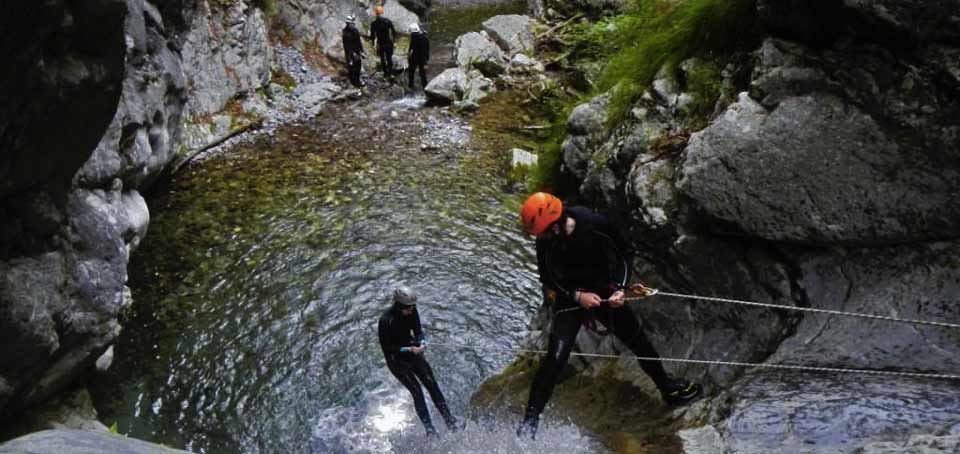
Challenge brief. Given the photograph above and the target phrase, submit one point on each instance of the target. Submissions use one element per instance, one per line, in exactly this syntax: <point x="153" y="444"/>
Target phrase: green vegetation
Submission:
<point x="658" y="33"/>
<point x="634" y="46"/>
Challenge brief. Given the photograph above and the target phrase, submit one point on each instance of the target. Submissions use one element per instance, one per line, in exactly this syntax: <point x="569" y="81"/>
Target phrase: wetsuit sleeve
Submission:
<point x="426" y="48"/>
<point x="383" y="331"/>
<point x="393" y="32"/>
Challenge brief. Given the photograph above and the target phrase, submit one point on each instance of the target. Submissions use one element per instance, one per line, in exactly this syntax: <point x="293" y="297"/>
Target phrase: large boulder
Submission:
<point x="464" y="88"/>
<point x="512" y="32"/>
<point x="449" y="86"/>
<point x="825" y="160"/>
<point x="81" y="442"/>
<point x="477" y="50"/>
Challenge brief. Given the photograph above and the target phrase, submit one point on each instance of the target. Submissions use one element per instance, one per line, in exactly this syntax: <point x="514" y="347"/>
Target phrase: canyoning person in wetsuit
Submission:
<point x="582" y="261"/>
<point x="353" y="51"/>
<point x="383" y="34"/>
<point x="403" y="343"/>
<point x="418" y="55"/>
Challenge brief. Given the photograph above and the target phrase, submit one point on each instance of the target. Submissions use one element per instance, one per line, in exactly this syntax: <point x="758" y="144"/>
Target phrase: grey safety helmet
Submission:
<point x="350" y="19"/>
<point x="405" y="297"/>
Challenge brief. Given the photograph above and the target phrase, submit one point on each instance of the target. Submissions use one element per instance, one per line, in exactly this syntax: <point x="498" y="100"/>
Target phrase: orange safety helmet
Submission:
<point x="378" y="10"/>
<point x="539" y="211"/>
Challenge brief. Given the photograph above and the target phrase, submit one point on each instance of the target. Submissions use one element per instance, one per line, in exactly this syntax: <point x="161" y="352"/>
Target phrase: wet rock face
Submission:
<point x="63" y="61"/>
<point x="824" y="413"/>
<point x="827" y="179"/>
<point x="66" y="242"/>
<point x="816" y="170"/>
<point x="224" y="54"/>
<point x="889" y="21"/>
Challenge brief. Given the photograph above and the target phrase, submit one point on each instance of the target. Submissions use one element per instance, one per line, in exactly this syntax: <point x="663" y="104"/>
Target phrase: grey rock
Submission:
<point x="883" y="281"/>
<point x="71" y="410"/>
<point x="223" y="56"/>
<point x="477" y="50"/>
<point x="315" y="96"/>
<point x="522" y="64"/>
<point x="702" y="440"/>
<point x="512" y="32"/>
<point x="449" y="86"/>
<point x="803" y="173"/>
<point x="916" y="444"/>
<point x="64" y="76"/>
<point x="587" y="130"/>
<point x="521" y="157"/>
<point x="80" y="442"/>
<point x="105" y="360"/>
<point x="888" y="21"/>
<point x="826" y="413"/>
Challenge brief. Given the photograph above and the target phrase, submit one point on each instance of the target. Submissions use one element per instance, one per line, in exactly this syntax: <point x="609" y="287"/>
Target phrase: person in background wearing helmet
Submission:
<point x="418" y="54"/>
<point x="583" y="266"/>
<point x="353" y="51"/>
<point x="403" y="343"/>
<point x="383" y="34"/>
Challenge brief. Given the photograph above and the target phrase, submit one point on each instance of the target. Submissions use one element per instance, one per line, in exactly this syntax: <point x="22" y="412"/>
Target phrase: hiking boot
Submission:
<point x="678" y="391"/>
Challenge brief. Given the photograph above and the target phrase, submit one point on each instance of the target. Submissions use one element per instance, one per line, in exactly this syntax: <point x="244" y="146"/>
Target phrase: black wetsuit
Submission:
<point x="397" y="331"/>
<point x="591" y="260"/>
<point x="353" y="53"/>
<point x="383" y="34"/>
<point x="418" y="56"/>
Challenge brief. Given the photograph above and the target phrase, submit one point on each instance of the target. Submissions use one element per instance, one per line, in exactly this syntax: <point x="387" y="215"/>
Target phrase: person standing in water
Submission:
<point x="582" y="260"/>
<point x="383" y="35"/>
<point x="353" y="50"/>
<point x="403" y="344"/>
<point x="418" y="55"/>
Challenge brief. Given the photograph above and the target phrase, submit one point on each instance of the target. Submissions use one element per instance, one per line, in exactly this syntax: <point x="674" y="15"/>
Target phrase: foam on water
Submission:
<point x="389" y="424"/>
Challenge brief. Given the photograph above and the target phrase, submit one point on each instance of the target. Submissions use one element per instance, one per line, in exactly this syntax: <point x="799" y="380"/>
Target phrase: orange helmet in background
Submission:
<point x="378" y="10"/>
<point x="539" y="211"/>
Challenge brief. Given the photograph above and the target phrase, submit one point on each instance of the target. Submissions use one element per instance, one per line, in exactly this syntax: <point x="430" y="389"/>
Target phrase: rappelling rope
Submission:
<point x="780" y="306"/>
<point x="716" y="363"/>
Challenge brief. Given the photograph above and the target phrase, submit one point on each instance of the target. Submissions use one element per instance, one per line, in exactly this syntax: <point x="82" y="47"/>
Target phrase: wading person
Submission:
<point x="402" y="341"/>
<point x="353" y="51"/>
<point x="383" y="34"/>
<point x="582" y="261"/>
<point x="418" y="54"/>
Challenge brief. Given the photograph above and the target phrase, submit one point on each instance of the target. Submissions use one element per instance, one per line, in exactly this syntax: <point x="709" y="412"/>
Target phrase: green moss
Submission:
<point x="704" y="83"/>
<point x="658" y="33"/>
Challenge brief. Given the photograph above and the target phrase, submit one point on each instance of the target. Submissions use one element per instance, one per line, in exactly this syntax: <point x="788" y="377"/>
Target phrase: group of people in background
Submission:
<point x="383" y="35"/>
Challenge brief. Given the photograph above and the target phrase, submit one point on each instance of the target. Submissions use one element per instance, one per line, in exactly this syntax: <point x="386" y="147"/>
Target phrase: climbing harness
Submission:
<point x="715" y="363"/>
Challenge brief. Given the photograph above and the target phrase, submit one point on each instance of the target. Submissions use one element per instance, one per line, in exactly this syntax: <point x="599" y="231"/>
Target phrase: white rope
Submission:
<point x="780" y="306"/>
<point x="805" y="309"/>
<point x="717" y="363"/>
